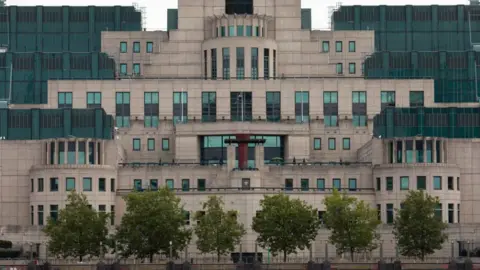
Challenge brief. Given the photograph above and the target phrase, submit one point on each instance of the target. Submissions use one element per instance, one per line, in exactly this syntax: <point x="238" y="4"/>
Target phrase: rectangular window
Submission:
<point x="439" y="211"/>
<point x="205" y="64"/>
<point x="337" y="183"/>
<point x="185" y="184"/>
<point x="102" y="185"/>
<point x="231" y="31"/>
<point x="389" y="213"/>
<point x="136" y="47"/>
<point x="240" y="63"/>
<point x="180" y="107"/>
<point x="351" y="68"/>
<point x="53" y="184"/>
<point x="32" y="185"/>
<point x="112" y="215"/>
<point x="273" y="106"/>
<point x="40" y="215"/>
<point x="32" y="215"/>
<point x="226" y="63"/>
<point x="65" y="100"/>
<point x="122" y="109"/>
<point x="69" y="184"/>
<point x="274" y="64"/>
<point x="254" y="63"/>
<point x="421" y="182"/>
<point x="54" y="212"/>
<point x="40" y="185"/>
<point x="150" y="109"/>
<point x="359" y="108"/>
<point x="87" y="184"/>
<point x="153" y="184"/>
<point x="112" y="184"/>
<point x="149" y="48"/>
<point x="136" y="69"/>
<point x="151" y="144"/>
<point x="437" y="183"/>
<point x="170" y="183"/>
<point x="332" y="144"/>
<point x="416" y="99"/>
<point x="137" y="184"/>
<point x="339" y="68"/>
<point x="450" y="183"/>
<point x="304" y="184"/>
<point x="379" y="211"/>
<point x="136" y="144"/>
<point x="404" y="183"/>
<point x="201" y="184"/>
<point x="266" y="64"/>
<point x="209" y="106"/>
<point x="123" y="69"/>
<point x="352" y="184"/>
<point x="351" y="46"/>
<point x="94" y="100"/>
<point x="123" y="47"/>
<point x="330" y="108"/>
<point x="389" y="183"/>
<point x="289" y="184"/>
<point x="346" y="143"/>
<point x="338" y="46"/>
<point x="321" y="184"/>
<point x="458" y="213"/>
<point x="387" y="99"/>
<point x="451" y="213"/>
<point x="213" y="53"/>
<point x="302" y="107"/>
<point x="325" y="46"/>
<point x="248" y="31"/>
<point x="241" y="106"/>
<point x="102" y="208"/>
<point x="379" y="183"/>
<point x="165" y="144"/>
<point x="317" y="143"/>
<point x="239" y="30"/>
<point x="223" y="31"/>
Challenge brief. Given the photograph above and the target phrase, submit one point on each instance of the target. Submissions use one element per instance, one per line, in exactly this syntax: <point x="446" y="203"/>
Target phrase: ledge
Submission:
<point x="227" y="127"/>
<point x="72" y="166"/>
<point x="415" y="165"/>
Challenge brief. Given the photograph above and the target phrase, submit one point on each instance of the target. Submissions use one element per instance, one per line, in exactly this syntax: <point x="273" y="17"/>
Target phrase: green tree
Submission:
<point x="152" y="221"/>
<point x="419" y="232"/>
<point x="218" y="231"/>
<point x="352" y="223"/>
<point x="285" y="225"/>
<point x="78" y="231"/>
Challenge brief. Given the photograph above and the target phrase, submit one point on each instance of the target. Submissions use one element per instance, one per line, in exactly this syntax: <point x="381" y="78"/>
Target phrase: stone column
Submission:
<point x="444" y="150"/>
<point x="394" y="157"/>
<point x="55" y="154"/>
<point x="259" y="156"/>
<point x="230" y="157"/>
<point x="49" y="148"/>
<point x="404" y="151"/>
<point x="414" y="150"/>
<point x="95" y="150"/>
<point x="65" y="152"/>
<point x="102" y="149"/>
<point x="424" y="150"/>
<point x="434" y="151"/>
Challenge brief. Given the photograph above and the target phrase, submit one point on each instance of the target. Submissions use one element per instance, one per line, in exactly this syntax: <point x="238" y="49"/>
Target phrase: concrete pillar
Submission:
<point x="444" y="151"/>
<point x="434" y="151"/>
<point x="49" y="149"/>
<point x="55" y="154"/>
<point x="424" y="150"/>
<point x="102" y="149"/>
<point x="404" y="151"/>
<point x="230" y="157"/>
<point x="414" y="150"/>
<point x="394" y="157"/>
<point x="65" y="152"/>
<point x="259" y="156"/>
<point x="95" y="150"/>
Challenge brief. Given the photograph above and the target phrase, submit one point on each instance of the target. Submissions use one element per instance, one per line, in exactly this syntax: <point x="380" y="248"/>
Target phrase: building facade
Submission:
<point x="250" y="70"/>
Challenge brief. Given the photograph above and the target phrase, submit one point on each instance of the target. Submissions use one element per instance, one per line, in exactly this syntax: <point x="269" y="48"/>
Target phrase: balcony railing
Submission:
<point x="260" y="190"/>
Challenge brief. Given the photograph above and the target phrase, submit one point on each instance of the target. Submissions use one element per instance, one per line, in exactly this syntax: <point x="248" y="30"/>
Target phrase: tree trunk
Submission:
<point x="218" y="256"/>
<point x="151" y="258"/>
<point x="80" y="258"/>
<point x="352" y="254"/>
<point x="284" y="256"/>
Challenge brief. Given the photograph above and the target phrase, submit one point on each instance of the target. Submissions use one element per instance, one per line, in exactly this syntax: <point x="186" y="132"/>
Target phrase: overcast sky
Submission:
<point x="156" y="10"/>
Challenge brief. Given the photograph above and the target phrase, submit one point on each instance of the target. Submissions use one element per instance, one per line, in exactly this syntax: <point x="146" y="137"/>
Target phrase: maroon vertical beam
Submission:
<point x="242" y="151"/>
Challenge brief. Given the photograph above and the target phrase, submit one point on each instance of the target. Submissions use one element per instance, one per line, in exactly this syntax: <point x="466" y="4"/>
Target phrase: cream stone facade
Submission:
<point x="162" y="128"/>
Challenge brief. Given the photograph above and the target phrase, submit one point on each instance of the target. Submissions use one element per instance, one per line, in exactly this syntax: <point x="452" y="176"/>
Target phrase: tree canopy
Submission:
<point x="152" y="220"/>
<point x="218" y="231"/>
<point x="285" y="225"/>
<point x="352" y="223"/>
<point x="78" y="231"/>
<point x="419" y="232"/>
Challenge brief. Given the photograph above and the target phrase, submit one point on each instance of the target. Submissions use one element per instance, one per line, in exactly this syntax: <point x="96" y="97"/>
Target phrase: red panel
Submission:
<point x="242" y="151"/>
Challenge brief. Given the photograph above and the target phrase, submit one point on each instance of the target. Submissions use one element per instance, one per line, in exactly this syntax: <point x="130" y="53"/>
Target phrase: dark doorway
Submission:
<point x="239" y="6"/>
